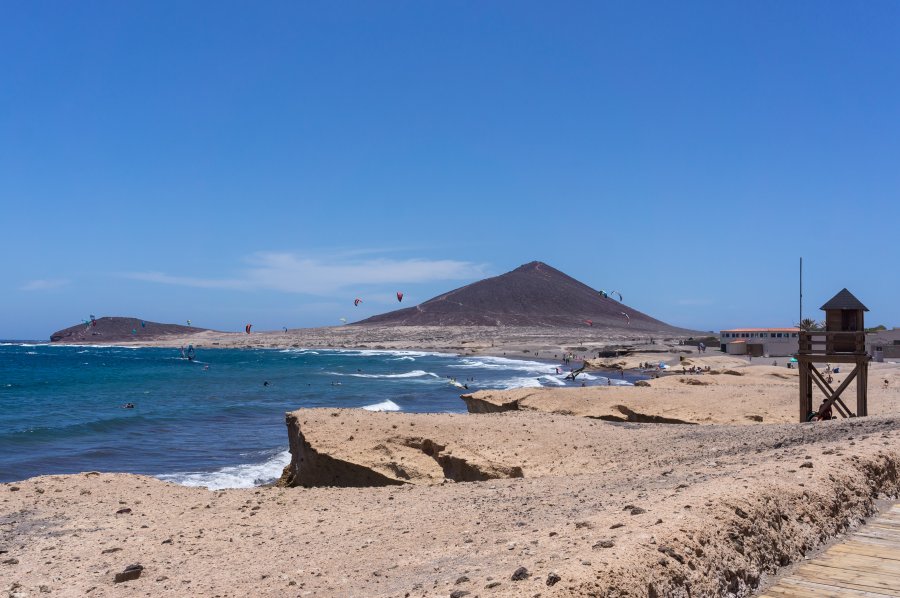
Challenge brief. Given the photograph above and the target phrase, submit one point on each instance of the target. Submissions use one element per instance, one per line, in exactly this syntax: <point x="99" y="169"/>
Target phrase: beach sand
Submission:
<point x="474" y="340"/>
<point x="601" y="508"/>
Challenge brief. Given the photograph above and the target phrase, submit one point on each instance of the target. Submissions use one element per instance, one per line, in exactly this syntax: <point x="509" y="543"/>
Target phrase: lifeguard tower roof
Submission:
<point x="844" y="301"/>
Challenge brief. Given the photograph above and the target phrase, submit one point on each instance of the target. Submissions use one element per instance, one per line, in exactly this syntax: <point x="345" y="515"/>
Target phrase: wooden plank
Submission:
<point x="872" y="550"/>
<point x="861" y="563"/>
<point x="867" y="564"/>
<point x="847" y="579"/>
<point x="879" y="534"/>
<point x="880" y="580"/>
<point x="870" y="541"/>
<point x="829" y="358"/>
<point x="826" y="590"/>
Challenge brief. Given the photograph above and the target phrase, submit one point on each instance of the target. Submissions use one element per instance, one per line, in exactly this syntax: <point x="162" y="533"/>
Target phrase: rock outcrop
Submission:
<point x="120" y="330"/>
<point x="532" y="400"/>
<point x="358" y="448"/>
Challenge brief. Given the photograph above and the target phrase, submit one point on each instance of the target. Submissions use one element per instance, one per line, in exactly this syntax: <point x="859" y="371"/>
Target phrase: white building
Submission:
<point x="883" y="345"/>
<point x="760" y="342"/>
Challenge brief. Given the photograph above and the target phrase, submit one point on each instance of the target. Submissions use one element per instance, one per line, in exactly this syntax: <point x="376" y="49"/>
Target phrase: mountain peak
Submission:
<point x="534" y="294"/>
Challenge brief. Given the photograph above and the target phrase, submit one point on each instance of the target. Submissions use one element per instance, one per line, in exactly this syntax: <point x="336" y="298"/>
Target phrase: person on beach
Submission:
<point x="827" y="414"/>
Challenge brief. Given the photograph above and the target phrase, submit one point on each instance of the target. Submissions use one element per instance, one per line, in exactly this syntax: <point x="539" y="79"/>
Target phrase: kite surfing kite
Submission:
<point x="626" y="317"/>
<point x="399" y="296"/>
<point x="357" y="301"/>
<point x="343" y="320"/>
<point x="604" y="294"/>
<point x="189" y="322"/>
<point x="617" y="293"/>
<point x="284" y="328"/>
<point x="589" y="322"/>
<point x="247" y="328"/>
<point x="143" y="324"/>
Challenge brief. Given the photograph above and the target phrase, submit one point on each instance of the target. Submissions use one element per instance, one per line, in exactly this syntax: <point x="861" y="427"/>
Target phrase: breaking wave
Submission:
<point x="383" y="406"/>
<point x="412" y="374"/>
<point x="236" y="476"/>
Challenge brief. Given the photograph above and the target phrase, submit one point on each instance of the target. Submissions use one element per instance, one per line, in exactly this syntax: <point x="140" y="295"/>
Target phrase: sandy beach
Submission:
<point x="509" y="341"/>
<point x="562" y="493"/>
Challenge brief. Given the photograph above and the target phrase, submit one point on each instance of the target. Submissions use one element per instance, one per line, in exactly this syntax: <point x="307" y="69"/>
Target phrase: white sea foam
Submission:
<point x="237" y="476"/>
<point x="404" y="358"/>
<point x="503" y="363"/>
<point x="383" y="406"/>
<point x="551" y="379"/>
<point x="520" y="382"/>
<point x="390" y="353"/>
<point x="299" y="351"/>
<point x="73" y="345"/>
<point x="412" y="374"/>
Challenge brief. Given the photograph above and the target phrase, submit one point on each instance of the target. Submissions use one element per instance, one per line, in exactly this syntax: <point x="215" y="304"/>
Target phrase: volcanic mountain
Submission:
<point x="116" y="330"/>
<point x="531" y="295"/>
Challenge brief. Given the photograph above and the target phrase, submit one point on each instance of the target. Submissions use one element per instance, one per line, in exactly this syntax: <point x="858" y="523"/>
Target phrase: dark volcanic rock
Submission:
<point x="117" y="330"/>
<point x="531" y="295"/>
<point x="130" y="573"/>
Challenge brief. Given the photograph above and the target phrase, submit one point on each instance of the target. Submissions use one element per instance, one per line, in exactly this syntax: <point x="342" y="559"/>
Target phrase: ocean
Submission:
<point x="216" y="421"/>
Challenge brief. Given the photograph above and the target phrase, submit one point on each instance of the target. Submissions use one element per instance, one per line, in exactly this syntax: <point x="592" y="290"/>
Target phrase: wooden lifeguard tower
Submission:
<point x="842" y="341"/>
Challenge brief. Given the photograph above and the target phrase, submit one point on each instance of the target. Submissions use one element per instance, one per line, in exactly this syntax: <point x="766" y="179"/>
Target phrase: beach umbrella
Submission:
<point x="793" y="360"/>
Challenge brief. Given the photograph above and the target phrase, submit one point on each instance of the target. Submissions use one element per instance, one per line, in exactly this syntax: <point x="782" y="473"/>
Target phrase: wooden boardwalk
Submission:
<point x="866" y="564"/>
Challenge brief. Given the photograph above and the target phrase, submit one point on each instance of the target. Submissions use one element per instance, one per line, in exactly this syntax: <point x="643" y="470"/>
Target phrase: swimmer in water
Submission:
<point x="128" y="406"/>
<point x="266" y="383"/>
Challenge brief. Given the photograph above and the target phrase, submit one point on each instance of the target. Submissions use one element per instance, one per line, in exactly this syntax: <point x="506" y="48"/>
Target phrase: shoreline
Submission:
<point x="722" y="520"/>
<point x="565" y="484"/>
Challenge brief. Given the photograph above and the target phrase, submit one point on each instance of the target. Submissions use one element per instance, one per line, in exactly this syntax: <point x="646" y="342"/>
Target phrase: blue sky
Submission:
<point x="229" y="163"/>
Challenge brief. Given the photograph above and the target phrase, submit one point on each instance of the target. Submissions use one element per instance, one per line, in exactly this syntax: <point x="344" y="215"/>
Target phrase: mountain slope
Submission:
<point x="531" y="295"/>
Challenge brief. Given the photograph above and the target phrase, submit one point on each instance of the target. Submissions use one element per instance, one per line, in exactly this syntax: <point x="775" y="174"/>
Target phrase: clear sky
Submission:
<point x="234" y="162"/>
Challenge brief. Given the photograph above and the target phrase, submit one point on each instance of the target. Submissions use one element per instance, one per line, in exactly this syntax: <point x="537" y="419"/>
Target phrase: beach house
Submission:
<point x="884" y="344"/>
<point x="759" y="342"/>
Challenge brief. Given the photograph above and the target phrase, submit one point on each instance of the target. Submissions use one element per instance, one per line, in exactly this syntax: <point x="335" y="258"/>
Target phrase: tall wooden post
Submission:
<point x="805" y="391"/>
<point x="862" y="383"/>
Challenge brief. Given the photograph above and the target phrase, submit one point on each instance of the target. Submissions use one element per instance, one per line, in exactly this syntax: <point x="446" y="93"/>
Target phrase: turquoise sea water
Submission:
<point x="212" y="421"/>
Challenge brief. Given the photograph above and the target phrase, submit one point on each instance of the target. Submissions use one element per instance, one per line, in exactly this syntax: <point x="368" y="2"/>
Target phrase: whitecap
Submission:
<point x="391" y="353"/>
<point x="383" y="406"/>
<point x="247" y="475"/>
<point x="412" y="374"/>
<point x="503" y="363"/>
<point x="523" y="382"/>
